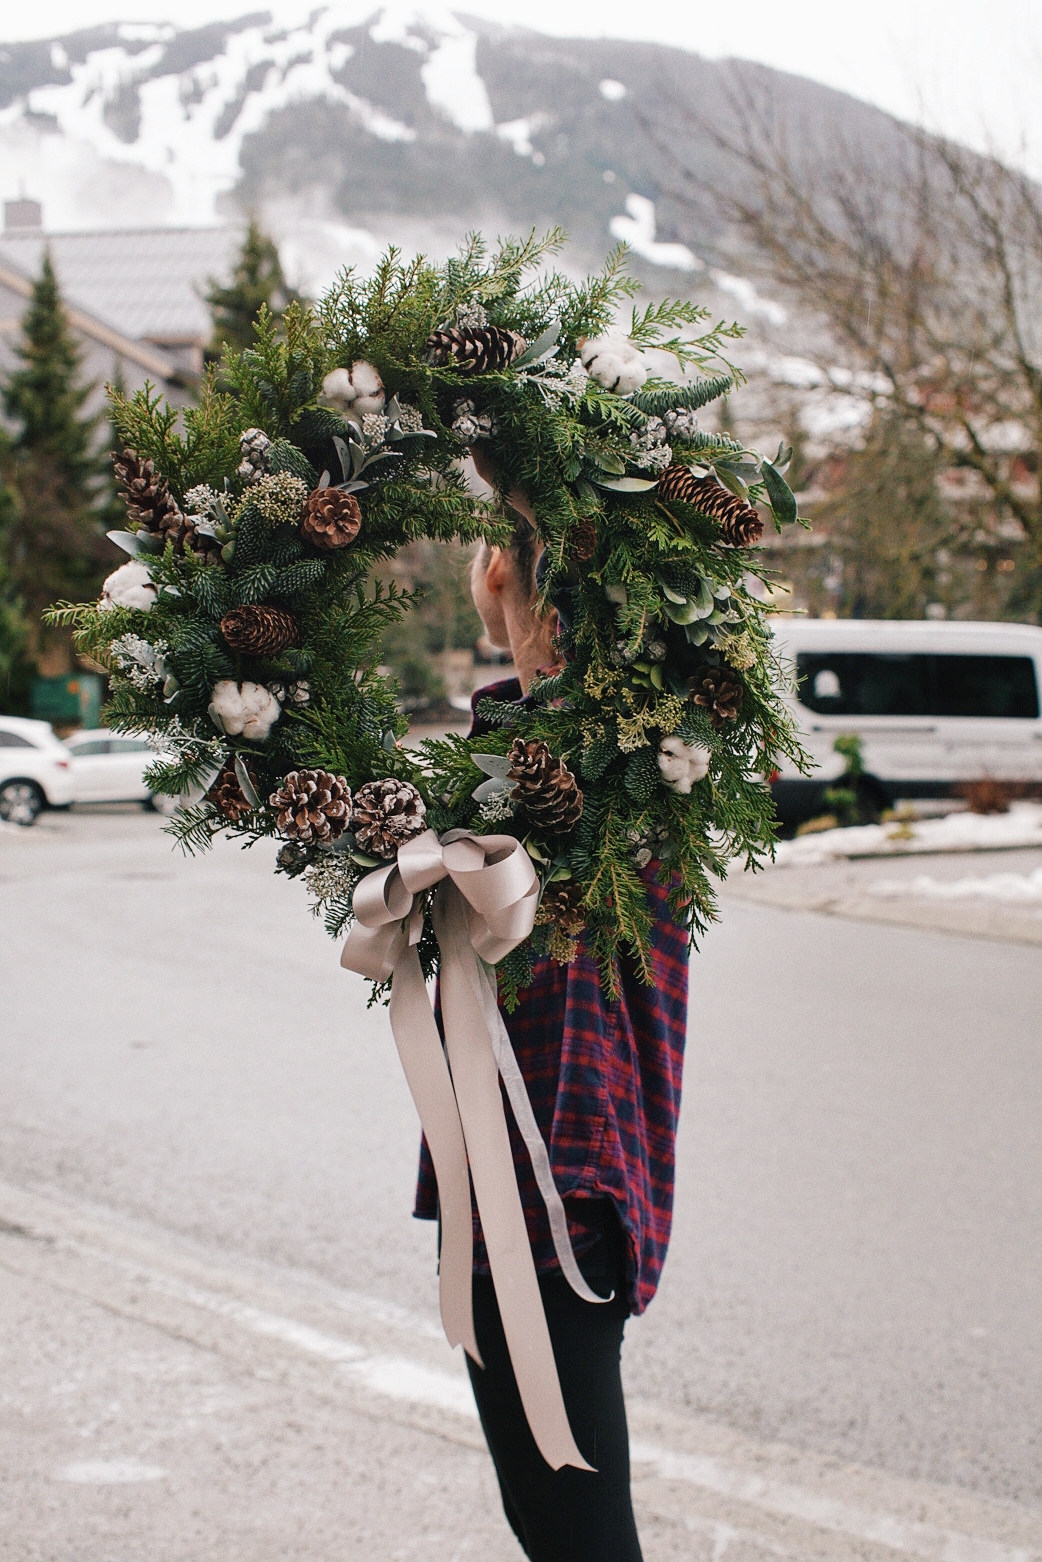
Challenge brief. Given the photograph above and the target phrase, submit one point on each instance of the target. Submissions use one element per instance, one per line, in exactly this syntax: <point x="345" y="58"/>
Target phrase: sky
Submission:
<point x="968" y="68"/>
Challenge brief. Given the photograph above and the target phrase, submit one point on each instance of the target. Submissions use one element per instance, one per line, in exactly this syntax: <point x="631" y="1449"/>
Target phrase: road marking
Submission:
<point x="111" y="1472"/>
<point x="61" y="1242"/>
<point x="796" y="1502"/>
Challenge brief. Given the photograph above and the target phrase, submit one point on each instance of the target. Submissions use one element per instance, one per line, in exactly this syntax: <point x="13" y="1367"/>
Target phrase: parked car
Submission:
<point x="108" y="767"/>
<point x="35" y="770"/>
<point x="936" y="706"/>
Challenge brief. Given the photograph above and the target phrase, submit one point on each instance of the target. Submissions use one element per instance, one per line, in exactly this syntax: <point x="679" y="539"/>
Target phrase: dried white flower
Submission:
<point x="333" y="877"/>
<point x="613" y="362"/>
<point x="498" y="808"/>
<point x="471" y="316"/>
<point x="243" y="708"/>
<point x="129" y="586"/>
<point x="143" y="665"/>
<point x="682" y="764"/>
<point x="374" y="428"/>
<point x="200" y="499"/>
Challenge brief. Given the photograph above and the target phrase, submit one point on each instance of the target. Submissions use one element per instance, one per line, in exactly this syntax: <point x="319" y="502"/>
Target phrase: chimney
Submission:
<point x="23" y="216"/>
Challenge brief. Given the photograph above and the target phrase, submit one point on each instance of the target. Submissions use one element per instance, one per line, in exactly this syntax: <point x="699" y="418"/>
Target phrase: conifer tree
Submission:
<point x="53" y="538"/>
<point x="16" y="670"/>
<point x="257" y="279"/>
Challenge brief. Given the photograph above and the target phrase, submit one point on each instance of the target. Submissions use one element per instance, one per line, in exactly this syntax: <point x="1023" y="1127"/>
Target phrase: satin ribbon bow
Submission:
<point x="484" y="905"/>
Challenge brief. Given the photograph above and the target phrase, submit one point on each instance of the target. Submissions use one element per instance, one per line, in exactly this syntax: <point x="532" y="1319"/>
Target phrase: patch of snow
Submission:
<point x="519" y="133"/>
<point x="638" y="231"/>
<point x="800" y="373"/>
<point x="750" y="299"/>
<point x="1012" y="888"/>
<point x="956" y="832"/>
<point x="611" y="89"/>
<point x="176" y="140"/>
<point x="450" y="77"/>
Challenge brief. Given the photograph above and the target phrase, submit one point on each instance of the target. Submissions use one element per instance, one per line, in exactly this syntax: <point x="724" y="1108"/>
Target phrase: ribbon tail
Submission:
<point x="475" y="1076"/>
<point x="521" y="1106"/>
<point x="427" y="1074"/>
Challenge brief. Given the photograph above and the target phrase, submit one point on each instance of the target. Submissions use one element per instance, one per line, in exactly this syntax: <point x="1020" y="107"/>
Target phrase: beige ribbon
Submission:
<point x="484" y="906"/>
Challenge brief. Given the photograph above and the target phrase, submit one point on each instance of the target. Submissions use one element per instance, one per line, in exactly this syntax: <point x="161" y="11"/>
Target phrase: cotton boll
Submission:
<point x="368" y="388"/>
<point x="248" y="710"/>
<point x="337" y="388"/>
<point x="613" y="362"/>
<point x="129" y="586"/>
<point x="682" y="764"/>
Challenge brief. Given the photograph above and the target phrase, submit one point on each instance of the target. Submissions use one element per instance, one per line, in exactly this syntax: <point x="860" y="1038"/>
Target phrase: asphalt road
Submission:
<point x="856" y="1269"/>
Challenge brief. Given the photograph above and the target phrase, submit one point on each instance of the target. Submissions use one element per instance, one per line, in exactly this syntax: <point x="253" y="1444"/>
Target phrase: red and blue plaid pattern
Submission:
<point x="604" y="1078"/>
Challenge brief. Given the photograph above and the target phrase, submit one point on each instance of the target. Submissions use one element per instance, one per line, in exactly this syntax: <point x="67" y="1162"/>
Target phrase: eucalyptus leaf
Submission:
<point x="347" y="462"/>
<point x="671" y="595"/>
<point x="388" y="742"/>
<point x="134" y="542"/>
<point x="493" y="764"/>
<point x="625" y="485"/>
<point x="608" y="461"/>
<point x="242" y="775"/>
<point x="732" y="481"/>
<point x="783" y="500"/>
<point x="540" y="348"/>
<point x="697" y="634"/>
<point x="586" y="491"/>
<point x="365" y="861"/>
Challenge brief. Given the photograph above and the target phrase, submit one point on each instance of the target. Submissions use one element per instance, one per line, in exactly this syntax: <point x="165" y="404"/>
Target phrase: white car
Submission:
<point x="936" y="705"/>
<point x="108" y="767"/>
<point x="35" y="770"/>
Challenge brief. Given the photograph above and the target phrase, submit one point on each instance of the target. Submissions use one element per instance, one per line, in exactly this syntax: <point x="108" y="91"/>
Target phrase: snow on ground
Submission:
<point x="1013" y="888"/>
<point x="958" y="832"/>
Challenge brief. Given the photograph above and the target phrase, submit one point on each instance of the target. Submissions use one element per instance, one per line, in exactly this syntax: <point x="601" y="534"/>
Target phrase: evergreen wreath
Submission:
<point x="244" y="633"/>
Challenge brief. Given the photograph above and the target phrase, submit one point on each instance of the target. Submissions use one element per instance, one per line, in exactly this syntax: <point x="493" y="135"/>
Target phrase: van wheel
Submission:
<point x="20" y="802"/>
<point x="872" y="799"/>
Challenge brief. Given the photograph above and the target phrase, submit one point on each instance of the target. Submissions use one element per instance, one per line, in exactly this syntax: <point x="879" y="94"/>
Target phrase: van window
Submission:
<point x="14" y="740"/>
<point x="866" y="683"/>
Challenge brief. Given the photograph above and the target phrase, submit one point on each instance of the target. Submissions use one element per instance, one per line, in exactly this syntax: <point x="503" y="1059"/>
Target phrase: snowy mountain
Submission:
<point x="347" y="126"/>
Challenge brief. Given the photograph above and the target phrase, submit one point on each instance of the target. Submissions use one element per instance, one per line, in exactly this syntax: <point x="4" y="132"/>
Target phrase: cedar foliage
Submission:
<point x="661" y="576"/>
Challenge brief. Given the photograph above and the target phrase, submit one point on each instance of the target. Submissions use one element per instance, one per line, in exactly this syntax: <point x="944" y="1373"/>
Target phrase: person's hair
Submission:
<point x="523" y="552"/>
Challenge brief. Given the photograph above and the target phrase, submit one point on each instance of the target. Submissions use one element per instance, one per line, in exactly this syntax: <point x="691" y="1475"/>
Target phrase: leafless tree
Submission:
<point x="923" y="261"/>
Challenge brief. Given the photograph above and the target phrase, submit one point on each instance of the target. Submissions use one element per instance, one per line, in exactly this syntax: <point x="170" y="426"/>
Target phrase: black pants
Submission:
<point x="565" y="1515"/>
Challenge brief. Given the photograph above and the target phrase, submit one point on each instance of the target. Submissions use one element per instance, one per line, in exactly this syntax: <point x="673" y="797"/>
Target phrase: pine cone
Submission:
<point x="546" y="788"/>
<point x="386" y="814"/>
<point x="562" y="904"/>
<point x="225" y="793"/>
<point x="312" y="806"/>
<point x="332" y="519"/>
<point x="474" y="349"/>
<point x="740" y="522"/>
<point x="257" y="630"/>
<point x="152" y="506"/>
<point x="582" y="541"/>
<point x="719" y="693"/>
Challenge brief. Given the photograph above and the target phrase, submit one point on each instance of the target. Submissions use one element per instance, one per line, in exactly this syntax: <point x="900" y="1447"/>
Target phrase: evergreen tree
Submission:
<point x="16" y="669"/>
<point x="53" y="541"/>
<point x="256" y="280"/>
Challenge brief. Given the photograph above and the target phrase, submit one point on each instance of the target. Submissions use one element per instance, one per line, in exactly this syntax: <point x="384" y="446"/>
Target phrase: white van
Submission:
<point x="934" y="704"/>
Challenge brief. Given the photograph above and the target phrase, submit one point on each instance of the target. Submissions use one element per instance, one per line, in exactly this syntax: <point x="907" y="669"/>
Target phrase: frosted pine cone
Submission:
<point x="332" y="519"/>
<point x="386" y="814"/>
<point x="254" y="445"/>
<point x="312" y="806"/>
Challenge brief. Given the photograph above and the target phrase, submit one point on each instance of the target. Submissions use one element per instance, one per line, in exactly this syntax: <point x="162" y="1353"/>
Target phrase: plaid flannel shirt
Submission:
<point x="604" y="1078"/>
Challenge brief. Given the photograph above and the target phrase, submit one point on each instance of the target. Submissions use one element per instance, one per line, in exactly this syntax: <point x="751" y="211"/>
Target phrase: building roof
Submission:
<point x="144" y="283"/>
<point x="145" y="356"/>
